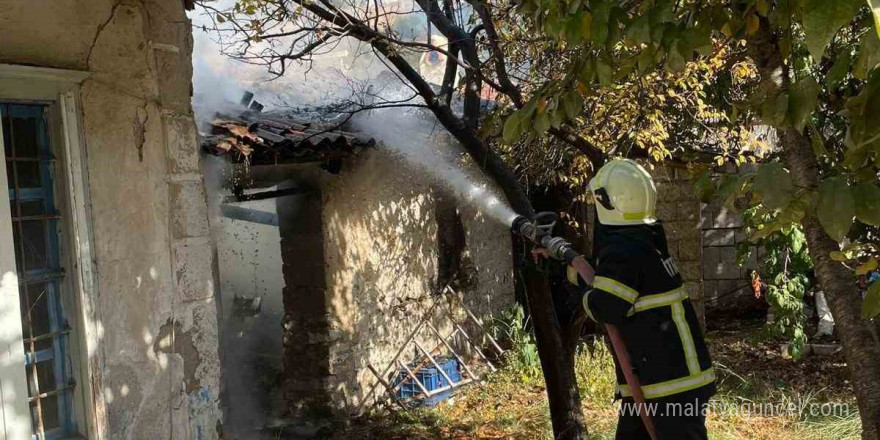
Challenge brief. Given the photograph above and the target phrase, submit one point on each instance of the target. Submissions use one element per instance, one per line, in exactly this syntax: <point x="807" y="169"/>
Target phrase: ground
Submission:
<point x="750" y="366"/>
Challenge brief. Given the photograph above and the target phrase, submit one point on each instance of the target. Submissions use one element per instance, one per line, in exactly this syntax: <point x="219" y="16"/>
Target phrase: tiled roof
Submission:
<point x="279" y="138"/>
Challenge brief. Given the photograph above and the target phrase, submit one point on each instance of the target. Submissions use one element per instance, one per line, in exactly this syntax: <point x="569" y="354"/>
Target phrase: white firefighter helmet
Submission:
<point x="625" y="194"/>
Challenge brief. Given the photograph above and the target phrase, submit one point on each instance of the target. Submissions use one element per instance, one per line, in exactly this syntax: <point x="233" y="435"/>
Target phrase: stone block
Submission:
<point x="174" y="79"/>
<point x="690" y="250"/>
<point x="707" y="216"/>
<point x="681" y="230"/>
<point x="686" y="190"/>
<point x="663" y="174"/>
<point x="710" y="260"/>
<point x="667" y="211"/>
<point x="719" y="237"/>
<point x="694" y="289"/>
<point x="189" y="209"/>
<point x="741" y="236"/>
<point x="683" y="173"/>
<point x="668" y="192"/>
<point x="673" y="249"/>
<point x="181" y="143"/>
<point x="193" y="262"/>
<point x="722" y="265"/>
<point x="689" y="210"/>
<point x="727" y="218"/>
<point x="690" y="270"/>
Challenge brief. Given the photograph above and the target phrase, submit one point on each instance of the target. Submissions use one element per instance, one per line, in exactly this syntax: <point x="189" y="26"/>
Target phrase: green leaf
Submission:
<point x="864" y="131"/>
<point x="774" y="184"/>
<point x="871" y="306"/>
<point x="867" y="267"/>
<point x="875" y="11"/>
<point x="836" y="207"/>
<point x="803" y="97"/>
<point x="822" y="19"/>
<point x="647" y="58"/>
<point x="512" y="128"/>
<point x="599" y="22"/>
<point x="675" y="59"/>
<point x="839" y="70"/>
<point x="639" y="31"/>
<point x="542" y="123"/>
<point x="704" y="187"/>
<point x="573" y="34"/>
<point x="763" y="7"/>
<point x="588" y="73"/>
<point x="603" y="71"/>
<point x="573" y="103"/>
<point x="775" y="109"/>
<point x="839" y="256"/>
<point x="869" y="56"/>
<point x="794" y="212"/>
<point x="586" y="23"/>
<point x="817" y="142"/>
<point x="867" y="199"/>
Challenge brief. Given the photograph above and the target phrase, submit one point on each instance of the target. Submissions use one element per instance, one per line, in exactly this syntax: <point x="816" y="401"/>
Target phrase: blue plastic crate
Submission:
<point x="431" y="379"/>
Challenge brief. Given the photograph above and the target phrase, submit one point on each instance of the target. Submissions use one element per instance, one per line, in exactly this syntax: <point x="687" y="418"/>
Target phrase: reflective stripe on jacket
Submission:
<point x="638" y="288"/>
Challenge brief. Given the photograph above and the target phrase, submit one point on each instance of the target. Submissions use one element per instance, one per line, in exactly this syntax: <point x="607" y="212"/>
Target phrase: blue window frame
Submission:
<point x="35" y="224"/>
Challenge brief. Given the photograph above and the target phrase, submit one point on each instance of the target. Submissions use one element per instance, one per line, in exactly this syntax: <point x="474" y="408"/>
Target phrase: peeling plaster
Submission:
<point x="172" y="339"/>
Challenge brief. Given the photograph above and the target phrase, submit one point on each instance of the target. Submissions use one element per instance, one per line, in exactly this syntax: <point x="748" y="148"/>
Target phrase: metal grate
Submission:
<point x="35" y="222"/>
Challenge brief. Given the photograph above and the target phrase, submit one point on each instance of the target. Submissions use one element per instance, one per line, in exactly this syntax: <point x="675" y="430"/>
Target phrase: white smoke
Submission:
<point x="414" y="138"/>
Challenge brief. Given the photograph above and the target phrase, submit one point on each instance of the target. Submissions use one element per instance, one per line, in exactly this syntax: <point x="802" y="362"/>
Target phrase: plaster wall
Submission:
<point x="153" y="369"/>
<point x="381" y="256"/>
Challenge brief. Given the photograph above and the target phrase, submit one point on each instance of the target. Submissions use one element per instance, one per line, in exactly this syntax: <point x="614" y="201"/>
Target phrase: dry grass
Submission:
<point x="513" y="405"/>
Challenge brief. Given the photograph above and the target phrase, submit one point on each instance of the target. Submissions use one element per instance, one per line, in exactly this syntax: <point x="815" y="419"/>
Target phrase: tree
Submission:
<point x="575" y="78"/>
<point x="276" y="33"/>
<point x="824" y="110"/>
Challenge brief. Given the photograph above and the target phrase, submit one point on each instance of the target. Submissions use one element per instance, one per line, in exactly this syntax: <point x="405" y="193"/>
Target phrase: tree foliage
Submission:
<point x="577" y="81"/>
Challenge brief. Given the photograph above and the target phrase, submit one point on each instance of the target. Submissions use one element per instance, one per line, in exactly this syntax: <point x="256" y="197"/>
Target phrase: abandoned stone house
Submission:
<point x="358" y="242"/>
<point x="138" y="304"/>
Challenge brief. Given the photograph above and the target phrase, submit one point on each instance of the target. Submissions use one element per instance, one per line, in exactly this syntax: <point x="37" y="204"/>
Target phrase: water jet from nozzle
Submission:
<point x="412" y="137"/>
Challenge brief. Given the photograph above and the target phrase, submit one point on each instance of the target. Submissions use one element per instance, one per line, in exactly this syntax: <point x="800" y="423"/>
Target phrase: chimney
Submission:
<point x="256" y="106"/>
<point x="246" y="99"/>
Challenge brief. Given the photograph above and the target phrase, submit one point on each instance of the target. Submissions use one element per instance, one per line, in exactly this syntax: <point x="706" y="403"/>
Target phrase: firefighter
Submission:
<point x="637" y="287"/>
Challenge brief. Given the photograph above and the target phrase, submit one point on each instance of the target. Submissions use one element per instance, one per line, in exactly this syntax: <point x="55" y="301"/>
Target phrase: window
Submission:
<point x="30" y="177"/>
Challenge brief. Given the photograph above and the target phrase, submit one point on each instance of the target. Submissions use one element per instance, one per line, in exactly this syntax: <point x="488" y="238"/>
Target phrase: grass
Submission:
<point x="513" y="404"/>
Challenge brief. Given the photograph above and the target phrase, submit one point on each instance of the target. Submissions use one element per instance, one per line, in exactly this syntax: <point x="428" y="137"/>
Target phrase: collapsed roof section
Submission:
<point x="278" y="138"/>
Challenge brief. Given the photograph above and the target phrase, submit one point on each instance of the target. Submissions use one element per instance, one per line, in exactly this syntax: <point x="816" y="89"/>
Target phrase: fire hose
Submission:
<point x="539" y="232"/>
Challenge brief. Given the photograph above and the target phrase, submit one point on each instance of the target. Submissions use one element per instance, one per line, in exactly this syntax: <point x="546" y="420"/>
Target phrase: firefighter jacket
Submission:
<point x="638" y="288"/>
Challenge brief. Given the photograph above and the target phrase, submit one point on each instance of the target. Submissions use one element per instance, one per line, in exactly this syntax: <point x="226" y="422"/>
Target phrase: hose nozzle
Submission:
<point x="539" y="231"/>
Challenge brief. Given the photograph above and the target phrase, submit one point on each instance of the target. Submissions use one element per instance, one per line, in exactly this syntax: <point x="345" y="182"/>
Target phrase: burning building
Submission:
<point x="338" y="248"/>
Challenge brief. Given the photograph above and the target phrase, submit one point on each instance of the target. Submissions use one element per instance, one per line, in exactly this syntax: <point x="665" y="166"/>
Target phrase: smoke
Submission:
<point x="421" y="142"/>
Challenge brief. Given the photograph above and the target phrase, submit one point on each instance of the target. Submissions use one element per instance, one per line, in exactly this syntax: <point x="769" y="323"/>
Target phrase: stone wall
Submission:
<point x="153" y="368"/>
<point x="726" y="284"/>
<point x="679" y="209"/>
<point x="381" y="268"/>
<point x="357" y="261"/>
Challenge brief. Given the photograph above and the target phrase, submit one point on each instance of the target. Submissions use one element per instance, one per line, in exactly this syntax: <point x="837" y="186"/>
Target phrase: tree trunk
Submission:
<point x="557" y="361"/>
<point x="861" y="350"/>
